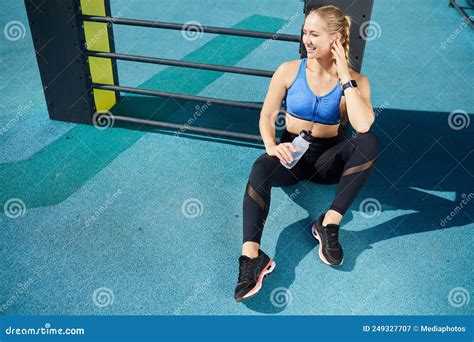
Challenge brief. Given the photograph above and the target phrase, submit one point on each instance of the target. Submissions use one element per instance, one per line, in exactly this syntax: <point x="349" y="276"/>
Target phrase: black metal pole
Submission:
<point x="206" y="29"/>
<point x="183" y="129"/>
<point x="172" y="62"/>
<point x="241" y="104"/>
<point x="464" y="14"/>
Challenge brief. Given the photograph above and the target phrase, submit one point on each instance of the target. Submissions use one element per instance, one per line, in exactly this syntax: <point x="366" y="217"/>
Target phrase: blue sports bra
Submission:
<point x="301" y="102"/>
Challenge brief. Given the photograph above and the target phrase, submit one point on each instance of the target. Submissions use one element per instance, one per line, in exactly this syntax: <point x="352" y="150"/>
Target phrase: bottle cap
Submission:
<point x="306" y="135"/>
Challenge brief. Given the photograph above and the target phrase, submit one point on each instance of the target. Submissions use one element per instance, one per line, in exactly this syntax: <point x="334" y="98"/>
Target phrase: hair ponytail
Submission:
<point x="346" y="36"/>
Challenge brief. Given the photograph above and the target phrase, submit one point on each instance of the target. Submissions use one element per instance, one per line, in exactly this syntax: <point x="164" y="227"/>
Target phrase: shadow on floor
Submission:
<point x="425" y="167"/>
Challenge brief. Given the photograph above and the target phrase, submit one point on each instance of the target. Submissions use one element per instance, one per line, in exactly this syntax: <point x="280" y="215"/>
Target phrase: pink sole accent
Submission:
<point x="321" y="255"/>
<point x="267" y="270"/>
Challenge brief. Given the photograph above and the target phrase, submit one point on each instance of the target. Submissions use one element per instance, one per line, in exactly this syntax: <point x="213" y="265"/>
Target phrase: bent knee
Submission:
<point x="368" y="142"/>
<point x="264" y="165"/>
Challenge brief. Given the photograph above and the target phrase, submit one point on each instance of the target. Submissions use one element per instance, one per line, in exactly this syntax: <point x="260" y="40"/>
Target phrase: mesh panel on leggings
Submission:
<point x="358" y="168"/>
<point x="256" y="197"/>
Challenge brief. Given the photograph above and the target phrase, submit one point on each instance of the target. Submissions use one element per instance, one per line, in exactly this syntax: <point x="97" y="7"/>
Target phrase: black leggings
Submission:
<point x="347" y="161"/>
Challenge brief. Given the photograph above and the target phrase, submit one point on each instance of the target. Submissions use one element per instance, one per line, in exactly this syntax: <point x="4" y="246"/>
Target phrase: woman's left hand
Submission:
<point x="342" y="66"/>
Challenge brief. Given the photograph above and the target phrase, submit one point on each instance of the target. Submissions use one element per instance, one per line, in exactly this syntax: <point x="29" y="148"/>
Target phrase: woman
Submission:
<point x="319" y="92"/>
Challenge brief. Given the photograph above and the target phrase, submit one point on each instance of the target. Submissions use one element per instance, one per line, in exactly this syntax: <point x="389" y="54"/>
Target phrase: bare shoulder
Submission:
<point x="287" y="71"/>
<point x="359" y="78"/>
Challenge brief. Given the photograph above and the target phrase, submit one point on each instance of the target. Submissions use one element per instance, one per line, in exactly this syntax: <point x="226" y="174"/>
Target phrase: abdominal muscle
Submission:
<point x="295" y="126"/>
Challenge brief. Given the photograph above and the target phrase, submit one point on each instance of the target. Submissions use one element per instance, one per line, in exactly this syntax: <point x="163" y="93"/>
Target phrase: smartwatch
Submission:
<point x="350" y="84"/>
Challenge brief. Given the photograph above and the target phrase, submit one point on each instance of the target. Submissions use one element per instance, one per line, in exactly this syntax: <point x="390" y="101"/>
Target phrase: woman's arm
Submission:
<point x="359" y="107"/>
<point x="271" y="106"/>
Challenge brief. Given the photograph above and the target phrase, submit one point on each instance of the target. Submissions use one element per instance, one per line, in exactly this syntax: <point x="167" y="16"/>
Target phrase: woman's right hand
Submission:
<point x="283" y="151"/>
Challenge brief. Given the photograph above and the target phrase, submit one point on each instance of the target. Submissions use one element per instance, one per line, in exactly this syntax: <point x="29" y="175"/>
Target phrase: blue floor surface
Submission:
<point x="150" y="223"/>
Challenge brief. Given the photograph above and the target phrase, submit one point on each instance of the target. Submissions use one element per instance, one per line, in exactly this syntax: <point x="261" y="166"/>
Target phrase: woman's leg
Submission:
<point x="267" y="172"/>
<point x="254" y="264"/>
<point x="350" y="163"/>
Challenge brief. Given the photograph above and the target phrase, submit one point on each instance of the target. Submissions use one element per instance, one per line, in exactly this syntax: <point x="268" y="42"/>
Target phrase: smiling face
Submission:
<point x="316" y="39"/>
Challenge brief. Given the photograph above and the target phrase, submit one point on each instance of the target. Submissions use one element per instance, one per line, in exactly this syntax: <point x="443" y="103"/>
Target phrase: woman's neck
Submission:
<point x="322" y="67"/>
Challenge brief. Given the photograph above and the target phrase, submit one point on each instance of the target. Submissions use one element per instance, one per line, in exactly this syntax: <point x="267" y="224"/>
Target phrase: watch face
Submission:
<point x="353" y="83"/>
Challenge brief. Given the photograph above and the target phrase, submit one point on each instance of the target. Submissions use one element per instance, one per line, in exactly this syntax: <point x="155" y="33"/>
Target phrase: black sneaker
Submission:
<point x="251" y="274"/>
<point x="330" y="251"/>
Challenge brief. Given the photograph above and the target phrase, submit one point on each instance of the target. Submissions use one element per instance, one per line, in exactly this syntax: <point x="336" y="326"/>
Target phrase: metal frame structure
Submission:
<point x="84" y="80"/>
<point x="461" y="10"/>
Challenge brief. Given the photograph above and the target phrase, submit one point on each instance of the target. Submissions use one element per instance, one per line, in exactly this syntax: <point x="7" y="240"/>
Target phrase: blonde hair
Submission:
<point x="335" y="21"/>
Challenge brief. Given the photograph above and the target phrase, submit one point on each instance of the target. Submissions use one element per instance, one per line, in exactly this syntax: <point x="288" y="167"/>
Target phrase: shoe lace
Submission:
<point x="332" y="237"/>
<point x="245" y="271"/>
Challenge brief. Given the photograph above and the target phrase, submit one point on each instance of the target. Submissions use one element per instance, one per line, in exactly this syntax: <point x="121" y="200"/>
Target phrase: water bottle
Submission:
<point x="301" y="143"/>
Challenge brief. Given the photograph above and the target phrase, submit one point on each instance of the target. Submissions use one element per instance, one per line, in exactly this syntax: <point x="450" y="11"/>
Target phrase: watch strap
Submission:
<point x="350" y="84"/>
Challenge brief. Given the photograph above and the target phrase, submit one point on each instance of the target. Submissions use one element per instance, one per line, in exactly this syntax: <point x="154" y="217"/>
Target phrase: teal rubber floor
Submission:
<point x="136" y="221"/>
